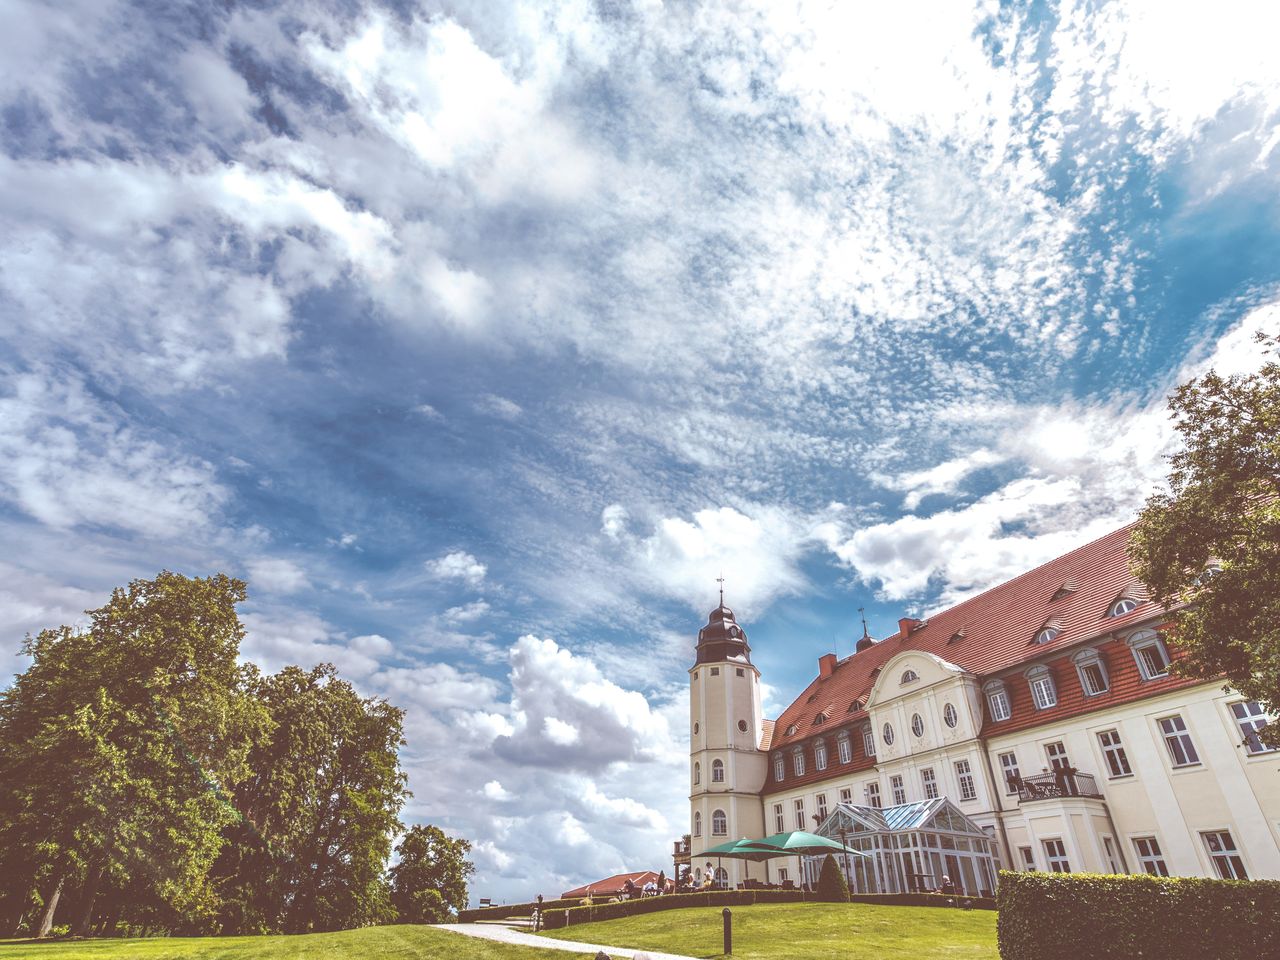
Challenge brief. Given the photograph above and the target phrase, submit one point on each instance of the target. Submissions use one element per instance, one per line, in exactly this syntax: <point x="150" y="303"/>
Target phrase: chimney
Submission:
<point x="906" y="625"/>
<point x="826" y="665"/>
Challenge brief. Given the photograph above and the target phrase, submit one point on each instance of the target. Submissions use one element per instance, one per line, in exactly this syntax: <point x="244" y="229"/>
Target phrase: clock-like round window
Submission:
<point x="742" y="725"/>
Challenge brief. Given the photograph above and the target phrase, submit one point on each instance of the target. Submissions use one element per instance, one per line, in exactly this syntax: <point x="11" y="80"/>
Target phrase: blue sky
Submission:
<point x="481" y="338"/>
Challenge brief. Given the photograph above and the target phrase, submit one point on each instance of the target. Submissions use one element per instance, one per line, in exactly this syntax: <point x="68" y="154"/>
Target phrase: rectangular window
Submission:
<point x="1057" y="754"/>
<point x="820" y="755"/>
<point x="845" y="746"/>
<point x="898" y="789"/>
<point x="1093" y="678"/>
<point x="846" y="795"/>
<point x="1178" y="739"/>
<point x="930" y="783"/>
<point x="873" y="794"/>
<point x="822" y="807"/>
<point x="779" y="767"/>
<point x="783" y="875"/>
<point x="1226" y="858"/>
<point x="800" y="823"/>
<point x="999" y="704"/>
<point x="1250" y="718"/>
<point x="868" y="742"/>
<point x="1153" y="662"/>
<point x="1055" y="852"/>
<point x="797" y="763"/>
<point x="1043" y="692"/>
<point x="1028" y="858"/>
<point x="777" y="818"/>
<point x="1112" y="861"/>
<point x="1009" y="767"/>
<point x="741" y="672"/>
<point x="715" y="671"/>
<point x="1113" y="753"/>
<point x="1149" y="856"/>
<point x="968" y="789"/>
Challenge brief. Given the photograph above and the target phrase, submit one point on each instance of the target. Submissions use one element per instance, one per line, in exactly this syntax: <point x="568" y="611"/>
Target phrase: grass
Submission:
<point x="371" y="943"/>
<point x="804" y="931"/>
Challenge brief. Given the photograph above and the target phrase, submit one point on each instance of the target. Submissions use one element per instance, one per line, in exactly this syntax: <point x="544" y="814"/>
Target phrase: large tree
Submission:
<point x="117" y="746"/>
<point x="429" y="882"/>
<point x="1210" y="546"/>
<point x="320" y="809"/>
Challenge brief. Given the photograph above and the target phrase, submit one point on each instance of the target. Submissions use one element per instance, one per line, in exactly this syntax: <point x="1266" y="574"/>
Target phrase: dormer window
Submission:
<point x="1044" y="692"/>
<point x="820" y="754"/>
<point x="909" y="676"/>
<point x="797" y="763"/>
<point x="1122" y="606"/>
<point x="1092" y="670"/>
<point x="855" y="706"/>
<point x="1068" y="588"/>
<point x="868" y="741"/>
<point x="779" y="767"/>
<point x="957" y="636"/>
<point x="997" y="700"/>
<point x="792" y="730"/>
<point x="1048" y="633"/>
<point x="845" y="747"/>
<point x="1150" y="654"/>
<point x="820" y="719"/>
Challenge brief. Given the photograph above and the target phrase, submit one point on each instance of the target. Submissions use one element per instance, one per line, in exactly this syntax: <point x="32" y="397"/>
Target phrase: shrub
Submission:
<point x="832" y="886"/>
<point x="1069" y="916"/>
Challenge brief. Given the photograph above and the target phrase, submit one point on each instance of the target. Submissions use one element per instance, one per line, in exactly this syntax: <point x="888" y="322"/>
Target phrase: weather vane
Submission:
<point x="865" y="631"/>
<point x="720" y="580"/>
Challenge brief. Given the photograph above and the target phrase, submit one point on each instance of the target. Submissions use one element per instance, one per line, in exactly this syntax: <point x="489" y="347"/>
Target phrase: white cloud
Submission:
<point x="457" y="565"/>
<point x="277" y="575"/>
<point x="493" y="790"/>
<point x="467" y="612"/>
<point x="497" y="406"/>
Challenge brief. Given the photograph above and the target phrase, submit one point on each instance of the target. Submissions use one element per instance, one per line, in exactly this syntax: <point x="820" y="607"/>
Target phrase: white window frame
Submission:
<point x="908" y="676"/>
<point x="778" y="818"/>
<point x="697" y="823"/>
<point x="1249" y="718"/>
<point x="1009" y="768"/>
<point x="929" y="781"/>
<point x="1178" y="742"/>
<point x="1055" y="855"/>
<point x="999" y="707"/>
<point x="719" y="819"/>
<point x="887" y="733"/>
<point x="798" y="806"/>
<point x="1150" y="856"/>
<point x="1028" y="855"/>
<point x="717" y="771"/>
<point x="797" y="764"/>
<point x="821" y="800"/>
<point x="917" y="725"/>
<point x="820" y="754"/>
<point x="1058" y="759"/>
<point x="1046" y="634"/>
<point x="1224" y="856"/>
<point x="844" y="748"/>
<point x="1109" y="847"/>
<point x="846" y="795"/>
<point x="1098" y="681"/>
<point x="779" y="767"/>
<point x="868" y="741"/>
<point x="872" y="790"/>
<point x="1044" y="692"/>
<point x="1142" y="643"/>
<point x="1123" y="606"/>
<point x="964" y="774"/>
<point x="1114" y="757"/>
<point x="897" y="789"/>
<point x="697" y="773"/>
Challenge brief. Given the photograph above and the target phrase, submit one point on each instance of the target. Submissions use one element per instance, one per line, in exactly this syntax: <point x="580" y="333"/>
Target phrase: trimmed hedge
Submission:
<point x="504" y="910"/>
<point x="1047" y="916"/>
<point x="555" y="919"/>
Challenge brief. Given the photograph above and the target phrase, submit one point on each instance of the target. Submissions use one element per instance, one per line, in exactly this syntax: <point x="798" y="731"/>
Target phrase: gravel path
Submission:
<point x="489" y="931"/>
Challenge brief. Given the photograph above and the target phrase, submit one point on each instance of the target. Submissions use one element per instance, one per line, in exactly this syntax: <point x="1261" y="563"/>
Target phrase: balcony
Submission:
<point x="681" y="853"/>
<point x="1056" y="785"/>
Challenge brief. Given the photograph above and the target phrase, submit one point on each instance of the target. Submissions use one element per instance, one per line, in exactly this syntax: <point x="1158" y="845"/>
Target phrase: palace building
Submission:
<point x="1036" y="726"/>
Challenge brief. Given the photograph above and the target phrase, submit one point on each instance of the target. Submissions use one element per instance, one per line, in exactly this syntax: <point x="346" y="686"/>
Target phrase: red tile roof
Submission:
<point x="610" y="886"/>
<point x="990" y="635"/>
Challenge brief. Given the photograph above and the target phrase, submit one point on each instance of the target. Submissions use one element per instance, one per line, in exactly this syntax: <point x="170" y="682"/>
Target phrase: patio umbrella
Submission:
<point x="745" y="849"/>
<point x="799" y="843"/>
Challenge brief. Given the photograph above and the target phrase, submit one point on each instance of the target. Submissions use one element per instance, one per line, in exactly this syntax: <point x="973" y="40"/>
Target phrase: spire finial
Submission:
<point x="865" y="631"/>
<point x="720" y="580"/>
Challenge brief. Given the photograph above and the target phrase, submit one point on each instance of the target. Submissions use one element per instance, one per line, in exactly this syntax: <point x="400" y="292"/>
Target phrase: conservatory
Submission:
<point x="910" y="848"/>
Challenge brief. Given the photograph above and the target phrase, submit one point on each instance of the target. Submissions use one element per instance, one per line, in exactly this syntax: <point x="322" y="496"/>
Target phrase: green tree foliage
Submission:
<point x="1222" y="510"/>
<point x="118" y="743"/>
<point x="319" y="809"/>
<point x="429" y="883"/>
<point x="832" y="886"/>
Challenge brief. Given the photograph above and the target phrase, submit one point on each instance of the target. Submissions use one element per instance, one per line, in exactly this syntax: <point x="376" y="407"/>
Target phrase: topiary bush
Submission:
<point x="832" y="886"/>
<point x="1072" y="916"/>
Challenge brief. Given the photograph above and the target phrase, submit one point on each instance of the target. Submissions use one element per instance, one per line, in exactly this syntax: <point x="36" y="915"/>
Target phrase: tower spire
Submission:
<point x="720" y="580"/>
<point x="866" y="641"/>
<point x="863" y="612"/>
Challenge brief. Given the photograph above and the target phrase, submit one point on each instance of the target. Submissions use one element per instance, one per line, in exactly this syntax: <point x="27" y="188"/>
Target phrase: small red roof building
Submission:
<point x="611" y="886"/>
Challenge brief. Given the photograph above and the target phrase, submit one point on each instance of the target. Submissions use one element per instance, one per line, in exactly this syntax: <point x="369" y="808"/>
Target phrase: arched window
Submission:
<point x="949" y="715"/>
<point x="1091" y="668"/>
<point x="1046" y="635"/>
<point x="722" y="878"/>
<point x="1150" y="654"/>
<point x="997" y="700"/>
<point x="917" y="725"/>
<point x="717" y="771"/>
<point x="1122" y="606"/>
<point x="888" y="734"/>
<point x="1044" y="693"/>
<point x="868" y="741"/>
<point x="845" y="747"/>
<point x="820" y="754"/>
<point x="909" y="676"/>
<point x="719" y="824"/>
<point x="779" y="767"/>
<point x="697" y="823"/>
<point x="797" y="762"/>
<point x="697" y="772"/>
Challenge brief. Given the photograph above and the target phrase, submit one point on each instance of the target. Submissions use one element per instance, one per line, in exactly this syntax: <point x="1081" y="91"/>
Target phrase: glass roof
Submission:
<point x="937" y="814"/>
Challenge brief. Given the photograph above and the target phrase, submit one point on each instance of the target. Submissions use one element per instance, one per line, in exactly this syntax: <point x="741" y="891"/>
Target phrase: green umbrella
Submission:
<point x="745" y="849"/>
<point x="799" y="843"/>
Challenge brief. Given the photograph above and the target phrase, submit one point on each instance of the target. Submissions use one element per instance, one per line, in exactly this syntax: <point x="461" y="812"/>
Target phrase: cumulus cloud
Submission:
<point x="277" y="575"/>
<point x="458" y="565"/>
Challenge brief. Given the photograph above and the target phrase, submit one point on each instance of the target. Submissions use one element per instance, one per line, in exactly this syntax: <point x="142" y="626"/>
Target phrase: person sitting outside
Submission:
<point x="650" y="889"/>
<point x="629" y="889"/>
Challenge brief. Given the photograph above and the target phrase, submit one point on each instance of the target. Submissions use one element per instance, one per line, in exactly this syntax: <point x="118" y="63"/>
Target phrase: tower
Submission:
<point x="726" y="765"/>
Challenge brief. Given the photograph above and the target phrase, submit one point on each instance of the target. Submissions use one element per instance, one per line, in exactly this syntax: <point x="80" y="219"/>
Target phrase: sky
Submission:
<point x="480" y="339"/>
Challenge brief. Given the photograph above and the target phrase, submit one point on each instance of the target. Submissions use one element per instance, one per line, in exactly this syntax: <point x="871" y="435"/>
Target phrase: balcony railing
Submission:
<point x="682" y="848"/>
<point x="1055" y="785"/>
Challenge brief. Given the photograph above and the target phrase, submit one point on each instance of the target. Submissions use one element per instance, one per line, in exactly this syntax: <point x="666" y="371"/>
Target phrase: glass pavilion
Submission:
<point x="910" y="848"/>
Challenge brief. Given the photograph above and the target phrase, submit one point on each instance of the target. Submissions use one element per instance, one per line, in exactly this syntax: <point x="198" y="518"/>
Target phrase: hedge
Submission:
<point x="555" y="919"/>
<point x="504" y="910"/>
<point x="1086" y="917"/>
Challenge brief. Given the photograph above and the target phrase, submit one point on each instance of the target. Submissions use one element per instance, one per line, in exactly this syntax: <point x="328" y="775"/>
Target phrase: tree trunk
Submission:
<point x="80" y="928"/>
<point x="51" y="907"/>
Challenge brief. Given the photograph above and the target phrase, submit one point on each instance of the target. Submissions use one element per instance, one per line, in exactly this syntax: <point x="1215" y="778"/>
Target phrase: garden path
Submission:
<point x="488" y="931"/>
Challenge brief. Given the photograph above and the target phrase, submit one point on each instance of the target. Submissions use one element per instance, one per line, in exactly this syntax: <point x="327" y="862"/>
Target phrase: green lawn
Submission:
<point x="372" y="943"/>
<point x="805" y="931"/>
